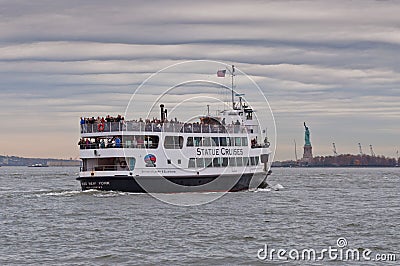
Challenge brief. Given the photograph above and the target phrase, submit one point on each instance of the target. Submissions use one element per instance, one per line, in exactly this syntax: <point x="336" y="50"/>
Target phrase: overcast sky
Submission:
<point x="333" y="64"/>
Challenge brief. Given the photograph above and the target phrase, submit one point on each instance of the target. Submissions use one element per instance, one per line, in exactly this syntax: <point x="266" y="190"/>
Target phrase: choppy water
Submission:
<point x="46" y="219"/>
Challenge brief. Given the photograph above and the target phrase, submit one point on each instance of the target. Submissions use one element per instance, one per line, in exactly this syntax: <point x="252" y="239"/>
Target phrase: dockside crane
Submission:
<point x="359" y="147"/>
<point x="372" y="151"/>
<point x="334" y="149"/>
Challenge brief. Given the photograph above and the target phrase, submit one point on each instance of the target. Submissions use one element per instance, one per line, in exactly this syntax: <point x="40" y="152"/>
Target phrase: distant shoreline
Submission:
<point x="21" y="161"/>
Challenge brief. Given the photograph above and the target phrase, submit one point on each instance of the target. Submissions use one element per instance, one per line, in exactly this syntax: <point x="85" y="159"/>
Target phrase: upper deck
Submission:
<point x="178" y="127"/>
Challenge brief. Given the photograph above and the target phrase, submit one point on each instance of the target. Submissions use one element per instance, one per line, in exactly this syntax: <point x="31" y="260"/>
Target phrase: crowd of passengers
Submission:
<point x="87" y="143"/>
<point x="155" y="125"/>
<point x="102" y="120"/>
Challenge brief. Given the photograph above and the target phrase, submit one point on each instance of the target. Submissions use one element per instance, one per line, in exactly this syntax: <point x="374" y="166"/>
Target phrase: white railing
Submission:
<point x="163" y="127"/>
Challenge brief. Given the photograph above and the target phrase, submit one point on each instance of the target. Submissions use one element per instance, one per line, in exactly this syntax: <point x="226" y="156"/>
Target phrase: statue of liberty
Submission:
<point x="306" y="136"/>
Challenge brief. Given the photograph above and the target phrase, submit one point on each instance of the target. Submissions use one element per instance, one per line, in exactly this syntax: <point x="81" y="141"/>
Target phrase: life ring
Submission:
<point x="100" y="127"/>
<point x="123" y="164"/>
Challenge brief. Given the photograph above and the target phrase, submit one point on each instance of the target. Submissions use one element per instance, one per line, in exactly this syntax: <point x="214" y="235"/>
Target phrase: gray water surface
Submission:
<point x="46" y="219"/>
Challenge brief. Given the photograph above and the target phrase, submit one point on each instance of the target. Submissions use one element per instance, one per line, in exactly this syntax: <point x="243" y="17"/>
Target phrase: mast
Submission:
<point x="221" y="73"/>
<point x="232" y="75"/>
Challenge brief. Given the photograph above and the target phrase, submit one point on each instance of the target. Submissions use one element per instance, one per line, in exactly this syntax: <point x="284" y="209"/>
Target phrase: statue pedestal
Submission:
<point x="307" y="155"/>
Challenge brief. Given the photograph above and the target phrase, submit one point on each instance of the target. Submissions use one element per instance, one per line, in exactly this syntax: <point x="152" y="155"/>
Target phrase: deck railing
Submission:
<point x="163" y="127"/>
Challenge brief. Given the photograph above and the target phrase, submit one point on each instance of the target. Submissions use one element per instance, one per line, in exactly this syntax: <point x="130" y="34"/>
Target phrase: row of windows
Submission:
<point x="170" y="142"/>
<point x="222" y="162"/>
<point x="216" y="141"/>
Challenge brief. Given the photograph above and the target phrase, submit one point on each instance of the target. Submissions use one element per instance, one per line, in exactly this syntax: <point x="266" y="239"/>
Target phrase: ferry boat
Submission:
<point x="215" y="154"/>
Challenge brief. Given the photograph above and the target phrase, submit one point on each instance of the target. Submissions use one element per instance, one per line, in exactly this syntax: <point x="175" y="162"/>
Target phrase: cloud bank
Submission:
<point x="332" y="64"/>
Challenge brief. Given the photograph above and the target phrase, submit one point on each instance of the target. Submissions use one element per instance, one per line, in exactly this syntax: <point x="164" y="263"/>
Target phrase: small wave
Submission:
<point x="107" y="194"/>
<point x="270" y="187"/>
<point x="278" y="187"/>
<point x="64" y="193"/>
<point x="262" y="190"/>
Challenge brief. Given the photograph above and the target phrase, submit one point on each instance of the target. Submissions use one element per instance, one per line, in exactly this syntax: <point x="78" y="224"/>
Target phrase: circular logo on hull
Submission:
<point x="150" y="160"/>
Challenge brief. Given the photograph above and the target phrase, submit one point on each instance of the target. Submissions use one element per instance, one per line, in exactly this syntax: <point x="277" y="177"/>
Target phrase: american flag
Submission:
<point x="221" y="73"/>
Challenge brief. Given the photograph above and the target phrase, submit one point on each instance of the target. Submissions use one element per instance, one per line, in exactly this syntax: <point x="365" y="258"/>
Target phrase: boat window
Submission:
<point x="200" y="162"/>
<point x="215" y="141"/>
<point x="246" y="161"/>
<point x="84" y="165"/>
<point x="189" y="142"/>
<point x="257" y="159"/>
<point x="238" y="141"/>
<point x="207" y="141"/>
<point x="197" y="141"/>
<point x="173" y="142"/>
<point x="253" y="161"/>
<point x="208" y="162"/>
<point x="232" y="161"/>
<point x="224" y="162"/>
<point x="244" y="141"/>
<point x="229" y="141"/>
<point x="239" y="161"/>
<point x="216" y="162"/>
<point x="132" y="162"/>
<point x="151" y="142"/>
<point x="192" y="163"/>
<point x="139" y="142"/>
<point x="222" y="141"/>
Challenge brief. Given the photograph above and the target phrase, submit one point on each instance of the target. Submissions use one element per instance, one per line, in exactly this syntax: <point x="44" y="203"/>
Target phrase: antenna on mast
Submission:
<point x="232" y="72"/>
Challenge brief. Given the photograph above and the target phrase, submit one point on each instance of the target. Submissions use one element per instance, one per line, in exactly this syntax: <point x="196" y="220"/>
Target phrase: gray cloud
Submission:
<point x="334" y="64"/>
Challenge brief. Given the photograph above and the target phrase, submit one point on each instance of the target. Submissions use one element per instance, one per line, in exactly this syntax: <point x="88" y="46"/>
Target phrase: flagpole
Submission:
<point x="233" y="99"/>
<point x="232" y="75"/>
<point x="221" y="73"/>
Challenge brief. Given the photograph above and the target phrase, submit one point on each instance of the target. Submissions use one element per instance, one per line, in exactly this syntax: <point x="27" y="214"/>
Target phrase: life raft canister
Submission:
<point x="100" y="127"/>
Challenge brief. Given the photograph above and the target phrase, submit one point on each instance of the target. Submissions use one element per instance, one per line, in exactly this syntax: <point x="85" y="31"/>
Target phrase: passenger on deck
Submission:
<point x="117" y="142"/>
<point x="134" y="142"/>
<point x="140" y="142"/>
<point x="87" y="144"/>
<point x="253" y="143"/>
<point x="81" y="143"/>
